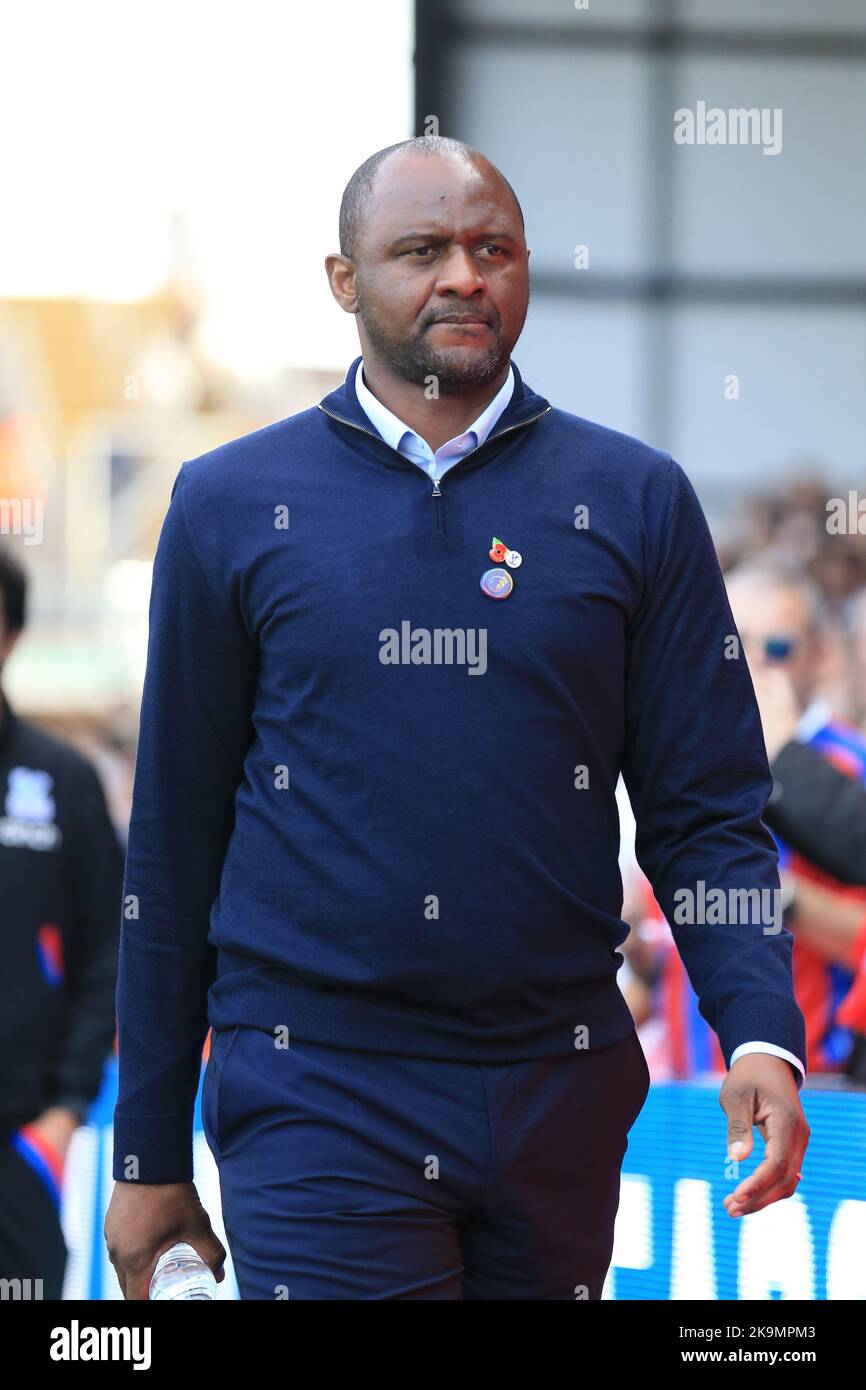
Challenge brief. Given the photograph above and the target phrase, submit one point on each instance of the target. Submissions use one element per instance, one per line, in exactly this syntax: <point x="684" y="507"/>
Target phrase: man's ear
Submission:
<point x="341" y="272"/>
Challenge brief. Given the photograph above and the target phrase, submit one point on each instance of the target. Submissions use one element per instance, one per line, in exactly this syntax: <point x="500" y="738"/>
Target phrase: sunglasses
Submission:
<point x="778" y="648"/>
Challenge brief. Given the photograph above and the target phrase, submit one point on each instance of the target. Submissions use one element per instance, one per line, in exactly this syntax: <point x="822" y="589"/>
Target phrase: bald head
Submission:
<point x="360" y="188"/>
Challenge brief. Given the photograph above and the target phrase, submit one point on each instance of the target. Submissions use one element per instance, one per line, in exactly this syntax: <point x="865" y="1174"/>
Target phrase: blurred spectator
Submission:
<point x="817" y="808"/>
<point x="783" y="622"/>
<point x="856" y="627"/>
<point x="791" y="525"/>
<point x="60" y="884"/>
<point x="813" y="644"/>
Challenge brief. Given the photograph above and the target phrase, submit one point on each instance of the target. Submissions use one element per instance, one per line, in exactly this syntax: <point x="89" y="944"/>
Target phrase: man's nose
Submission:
<point x="459" y="273"/>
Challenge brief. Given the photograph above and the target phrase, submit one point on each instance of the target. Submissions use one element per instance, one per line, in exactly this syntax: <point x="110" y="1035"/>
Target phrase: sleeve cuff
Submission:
<point x="152" y="1148"/>
<point x="774" y="1051"/>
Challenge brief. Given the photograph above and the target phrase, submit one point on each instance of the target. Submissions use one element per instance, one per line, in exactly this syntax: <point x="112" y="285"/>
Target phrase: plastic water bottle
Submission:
<point x="182" y="1273"/>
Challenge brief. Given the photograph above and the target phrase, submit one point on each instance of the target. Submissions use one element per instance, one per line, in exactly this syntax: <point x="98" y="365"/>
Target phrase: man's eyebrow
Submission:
<point x="437" y="239"/>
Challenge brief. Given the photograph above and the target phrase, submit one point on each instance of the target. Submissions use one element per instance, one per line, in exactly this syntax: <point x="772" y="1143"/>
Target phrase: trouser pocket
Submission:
<point x="642" y="1075"/>
<point x="221" y="1045"/>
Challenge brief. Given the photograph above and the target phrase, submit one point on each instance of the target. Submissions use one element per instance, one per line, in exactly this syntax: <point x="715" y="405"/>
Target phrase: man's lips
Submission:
<point x="475" y="322"/>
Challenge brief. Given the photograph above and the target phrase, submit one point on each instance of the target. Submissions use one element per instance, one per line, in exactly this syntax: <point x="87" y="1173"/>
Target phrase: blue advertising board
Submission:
<point x="674" y="1239"/>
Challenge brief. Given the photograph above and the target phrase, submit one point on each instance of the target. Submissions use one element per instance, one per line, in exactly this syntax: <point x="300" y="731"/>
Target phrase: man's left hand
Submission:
<point x="760" y="1089"/>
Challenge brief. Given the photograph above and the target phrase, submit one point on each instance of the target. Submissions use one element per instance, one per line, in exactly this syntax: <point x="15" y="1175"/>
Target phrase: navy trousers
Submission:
<point x="364" y="1175"/>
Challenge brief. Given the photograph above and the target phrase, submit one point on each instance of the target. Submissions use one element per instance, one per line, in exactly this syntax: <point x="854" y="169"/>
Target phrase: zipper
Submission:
<point x="436" y="494"/>
<point x="352" y="426"/>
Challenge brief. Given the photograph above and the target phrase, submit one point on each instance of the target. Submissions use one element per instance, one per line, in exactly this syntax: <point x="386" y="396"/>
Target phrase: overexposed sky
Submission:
<point x="247" y="117"/>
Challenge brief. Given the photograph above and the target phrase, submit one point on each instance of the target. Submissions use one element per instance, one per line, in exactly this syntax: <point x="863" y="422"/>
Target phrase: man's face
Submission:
<point x="773" y="624"/>
<point x="442" y="278"/>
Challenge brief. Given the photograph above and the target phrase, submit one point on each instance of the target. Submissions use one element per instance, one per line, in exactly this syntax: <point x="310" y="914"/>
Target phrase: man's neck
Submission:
<point x="437" y="420"/>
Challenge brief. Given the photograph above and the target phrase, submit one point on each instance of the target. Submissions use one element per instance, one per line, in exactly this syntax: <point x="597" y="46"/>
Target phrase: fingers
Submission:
<point x="213" y="1254"/>
<point x="117" y="1267"/>
<point x="770" y="1181"/>
<point x="133" y="1281"/>
<point x="738" y="1105"/>
<point x="134" y="1273"/>
<point x="142" y="1222"/>
<point x="740" y="1139"/>
<point x="785" y="1186"/>
<point x="138" y="1284"/>
<point x="759" y="1092"/>
<point x="778" y="1175"/>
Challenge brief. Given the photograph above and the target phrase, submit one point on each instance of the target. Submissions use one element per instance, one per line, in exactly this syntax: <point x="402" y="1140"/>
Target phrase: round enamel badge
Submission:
<point x="497" y="583"/>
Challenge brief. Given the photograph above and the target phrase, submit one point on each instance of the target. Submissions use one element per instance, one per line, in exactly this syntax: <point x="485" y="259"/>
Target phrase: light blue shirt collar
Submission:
<point x="410" y="444"/>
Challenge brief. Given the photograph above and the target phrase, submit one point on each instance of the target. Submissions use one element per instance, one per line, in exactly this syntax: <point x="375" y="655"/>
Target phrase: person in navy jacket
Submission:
<point x="61" y="868"/>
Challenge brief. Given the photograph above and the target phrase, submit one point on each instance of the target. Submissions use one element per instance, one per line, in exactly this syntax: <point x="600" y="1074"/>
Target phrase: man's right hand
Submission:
<point x="143" y="1220"/>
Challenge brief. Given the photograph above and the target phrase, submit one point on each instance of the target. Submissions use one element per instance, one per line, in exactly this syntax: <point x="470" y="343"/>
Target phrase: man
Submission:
<point x="401" y="645"/>
<point x="61" y="869"/>
<point x="782" y="621"/>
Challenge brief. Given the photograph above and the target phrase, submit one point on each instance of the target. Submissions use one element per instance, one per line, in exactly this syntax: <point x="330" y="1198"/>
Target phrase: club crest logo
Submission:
<point x="30" y="810"/>
<point x="29" y="795"/>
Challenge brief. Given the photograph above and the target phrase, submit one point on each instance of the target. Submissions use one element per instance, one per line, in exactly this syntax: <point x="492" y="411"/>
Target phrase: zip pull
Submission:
<point x="437" y="491"/>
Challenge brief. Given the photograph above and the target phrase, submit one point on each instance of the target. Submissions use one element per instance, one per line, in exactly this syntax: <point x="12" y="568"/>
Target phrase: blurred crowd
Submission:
<point x="795" y="568"/>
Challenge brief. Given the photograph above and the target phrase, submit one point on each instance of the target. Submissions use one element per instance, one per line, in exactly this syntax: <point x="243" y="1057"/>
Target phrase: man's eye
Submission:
<point x="491" y="246"/>
<point x="421" y="250"/>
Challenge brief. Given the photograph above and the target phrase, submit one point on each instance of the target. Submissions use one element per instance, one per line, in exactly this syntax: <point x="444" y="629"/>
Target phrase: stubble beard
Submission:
<point x="416" y="359"/>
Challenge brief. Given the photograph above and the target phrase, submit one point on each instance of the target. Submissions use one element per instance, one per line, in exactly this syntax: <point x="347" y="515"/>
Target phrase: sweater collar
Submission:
<point x="524" y="406"/>
<point x="394" y="431"/>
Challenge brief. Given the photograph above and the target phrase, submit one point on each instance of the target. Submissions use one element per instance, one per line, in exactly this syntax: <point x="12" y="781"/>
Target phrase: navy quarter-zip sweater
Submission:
<point x="405" y="855"/>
